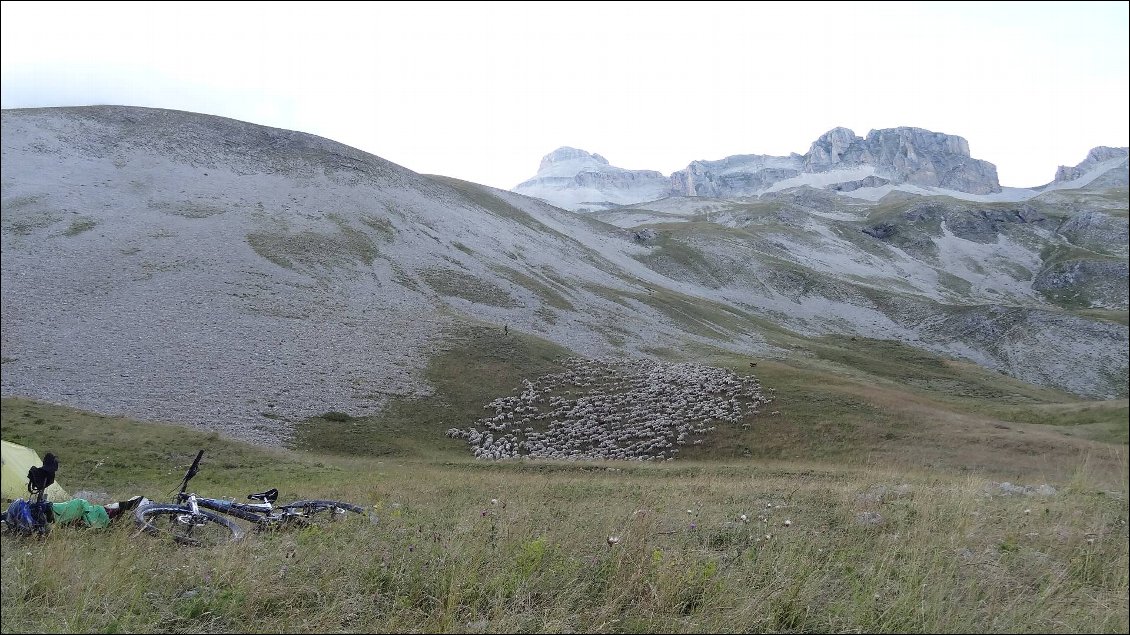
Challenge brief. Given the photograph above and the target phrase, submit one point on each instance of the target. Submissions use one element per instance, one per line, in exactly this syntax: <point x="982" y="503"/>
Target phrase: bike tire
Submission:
<point x="175" y="522"/>
<point x="324" y="511"/>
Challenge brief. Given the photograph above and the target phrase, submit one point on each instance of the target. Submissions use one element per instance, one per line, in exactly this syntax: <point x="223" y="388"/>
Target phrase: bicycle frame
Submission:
<point x="254" y="512"/>
<point x="257" y="513"/>
<point x="263" y="515"/>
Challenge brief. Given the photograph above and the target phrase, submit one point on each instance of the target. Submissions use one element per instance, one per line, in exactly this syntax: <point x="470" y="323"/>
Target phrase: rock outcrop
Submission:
<point x="1098" y="231"/>
<point x="851" y="186"/>
<point x="932" y="159"/>
<point x="577" y="180"/>
<point x="1102" y="158"/>
<point x="1086" y="283"/>
<point x="897" y="155"/>
<point x="839" y="147"/>
<point x="739" y="175"/>
<point x="905" y="155"/>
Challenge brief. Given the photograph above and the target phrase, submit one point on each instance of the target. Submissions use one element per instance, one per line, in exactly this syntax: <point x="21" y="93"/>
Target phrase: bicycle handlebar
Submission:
<point x="192" y="470"/>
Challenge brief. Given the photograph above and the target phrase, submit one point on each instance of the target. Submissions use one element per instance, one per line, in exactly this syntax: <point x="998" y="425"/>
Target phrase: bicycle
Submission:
<point x="186" y="523"/>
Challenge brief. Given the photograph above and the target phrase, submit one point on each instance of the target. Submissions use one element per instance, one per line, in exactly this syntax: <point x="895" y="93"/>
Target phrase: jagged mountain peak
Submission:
<point x="913" y="137"/>
<point x="1103" y="153"/>
<point x="566" y="153"/>
<point x="1096" y="158"/>
<point x="831" y="146"/>
<point x="576" y="179"/>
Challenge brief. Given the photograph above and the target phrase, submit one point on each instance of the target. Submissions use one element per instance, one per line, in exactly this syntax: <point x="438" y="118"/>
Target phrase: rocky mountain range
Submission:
<point x="894" y="159"/>
<point x="192" y="268"/>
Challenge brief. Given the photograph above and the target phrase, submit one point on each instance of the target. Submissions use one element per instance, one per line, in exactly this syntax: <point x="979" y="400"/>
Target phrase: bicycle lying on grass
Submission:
<point x="185" y="522"/>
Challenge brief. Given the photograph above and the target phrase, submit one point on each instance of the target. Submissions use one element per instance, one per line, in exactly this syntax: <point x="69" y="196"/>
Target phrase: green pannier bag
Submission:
<point x="79" y="509"/>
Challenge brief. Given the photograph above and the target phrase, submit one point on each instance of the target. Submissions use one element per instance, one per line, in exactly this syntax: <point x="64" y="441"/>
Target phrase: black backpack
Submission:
<point x="40" y="478"/>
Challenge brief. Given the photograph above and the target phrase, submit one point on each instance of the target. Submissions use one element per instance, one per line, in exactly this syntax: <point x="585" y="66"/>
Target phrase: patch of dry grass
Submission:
<point x="524" y="547"/>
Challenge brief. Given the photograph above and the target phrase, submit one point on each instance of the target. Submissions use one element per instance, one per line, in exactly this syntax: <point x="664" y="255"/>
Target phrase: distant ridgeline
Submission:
<point x="893" y="159"/>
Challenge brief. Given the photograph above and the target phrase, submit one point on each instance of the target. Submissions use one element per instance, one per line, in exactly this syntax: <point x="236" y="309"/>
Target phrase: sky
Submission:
<point x="481" y="91"/>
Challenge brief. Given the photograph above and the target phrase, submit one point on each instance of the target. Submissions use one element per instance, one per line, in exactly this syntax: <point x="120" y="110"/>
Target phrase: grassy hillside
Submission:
<point x="871" y="488"/>
<point x="844" y="400"/>
<point x="467" y="546"/>
<point x="481" y="362"/>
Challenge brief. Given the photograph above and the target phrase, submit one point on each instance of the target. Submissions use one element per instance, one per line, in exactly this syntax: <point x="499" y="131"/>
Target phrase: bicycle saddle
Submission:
<point x="268" y="496"/>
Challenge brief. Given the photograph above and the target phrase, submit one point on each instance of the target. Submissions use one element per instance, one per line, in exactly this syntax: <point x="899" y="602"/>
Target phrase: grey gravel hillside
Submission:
<point x="183" y="267"/>
<point x="192" y="268"/>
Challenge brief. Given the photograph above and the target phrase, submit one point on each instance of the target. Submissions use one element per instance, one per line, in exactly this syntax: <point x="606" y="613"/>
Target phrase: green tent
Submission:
<point x="17" y="461"/>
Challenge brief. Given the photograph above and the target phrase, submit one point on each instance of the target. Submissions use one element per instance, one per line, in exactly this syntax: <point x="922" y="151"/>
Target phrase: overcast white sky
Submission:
<point x="481" y="91"/>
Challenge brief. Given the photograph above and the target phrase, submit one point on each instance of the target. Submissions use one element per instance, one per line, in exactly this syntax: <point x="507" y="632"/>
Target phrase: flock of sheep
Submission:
<point x="613" y="409"/>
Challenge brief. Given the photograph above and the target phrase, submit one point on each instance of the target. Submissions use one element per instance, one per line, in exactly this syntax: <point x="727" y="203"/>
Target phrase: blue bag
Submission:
<point x="19" y="518"/>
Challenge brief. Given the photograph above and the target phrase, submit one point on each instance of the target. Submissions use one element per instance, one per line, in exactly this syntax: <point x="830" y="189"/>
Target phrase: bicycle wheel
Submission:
<point x="202" y="529"/>
<point x="306" y="512"/>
